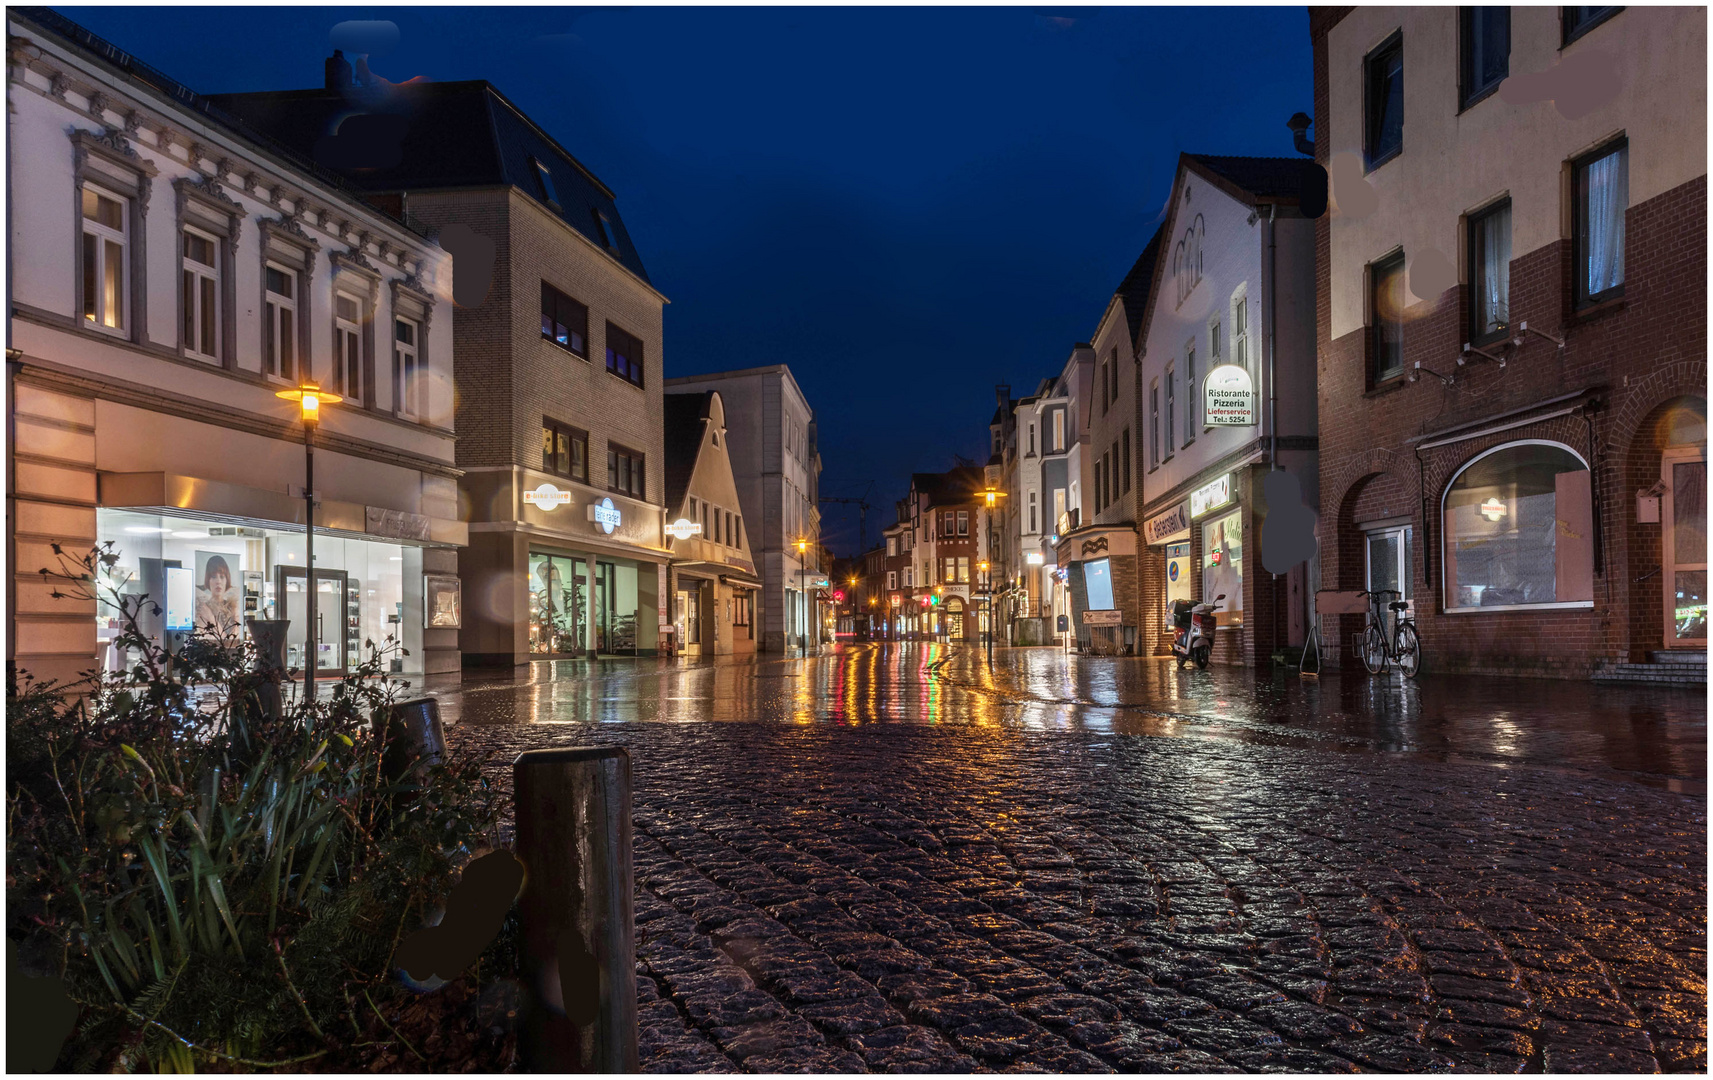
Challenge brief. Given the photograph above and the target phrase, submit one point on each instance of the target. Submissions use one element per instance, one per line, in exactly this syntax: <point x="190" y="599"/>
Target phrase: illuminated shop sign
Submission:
<point x="546" y="497"/>
<point x="1166" y="526"/>
<point x="606" y="515"/>
<point x="683" y="529"/>
<point x="1229" y="397"/>
<point x="1210" y="496"/>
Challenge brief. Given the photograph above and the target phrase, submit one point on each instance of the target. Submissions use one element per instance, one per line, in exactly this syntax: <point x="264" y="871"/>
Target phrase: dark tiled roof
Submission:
<point x="1262" y="177"/>
<point x="456" y="135"/>
<point x="953" y="486"/>
<point x="1133" y="290"/>
<point x="684" y="418"/>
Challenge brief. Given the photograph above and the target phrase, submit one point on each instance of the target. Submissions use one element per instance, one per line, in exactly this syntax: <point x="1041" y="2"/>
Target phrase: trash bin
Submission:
<point x="414" y="736"/>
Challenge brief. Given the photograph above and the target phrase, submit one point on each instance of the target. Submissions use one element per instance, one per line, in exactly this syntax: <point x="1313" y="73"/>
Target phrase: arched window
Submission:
<point x="1200" y="235"/>
<point x="1178" y="269"/>
<point x="1519" y="529"/>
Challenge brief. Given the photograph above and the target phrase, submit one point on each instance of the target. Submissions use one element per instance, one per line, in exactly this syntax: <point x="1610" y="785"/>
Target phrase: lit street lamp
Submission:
<point x="803" y="590"/>
<point x="991" y="496"/>
<point x="310" y="397"/>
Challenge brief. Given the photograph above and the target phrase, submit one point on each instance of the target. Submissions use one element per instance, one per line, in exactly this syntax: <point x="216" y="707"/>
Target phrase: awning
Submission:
<point x="741" y="581"/>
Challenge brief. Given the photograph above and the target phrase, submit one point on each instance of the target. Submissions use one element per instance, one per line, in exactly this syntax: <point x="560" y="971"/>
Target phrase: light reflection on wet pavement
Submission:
<point x="894" y="859"/>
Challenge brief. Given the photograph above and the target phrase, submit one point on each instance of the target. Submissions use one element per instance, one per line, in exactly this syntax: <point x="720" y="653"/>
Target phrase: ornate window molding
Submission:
<point x="205" y="205"/>
<point x="107" y="159"/>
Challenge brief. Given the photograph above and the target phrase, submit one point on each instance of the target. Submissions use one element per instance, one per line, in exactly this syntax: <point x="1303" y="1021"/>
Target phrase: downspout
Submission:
<point x="1272" y="334"/>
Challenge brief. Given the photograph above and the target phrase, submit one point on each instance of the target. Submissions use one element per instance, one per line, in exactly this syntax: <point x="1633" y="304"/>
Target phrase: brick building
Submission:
<point x="1512" y="329"/>
<point x="934" y="555"/>
<point x="560" y="371"/>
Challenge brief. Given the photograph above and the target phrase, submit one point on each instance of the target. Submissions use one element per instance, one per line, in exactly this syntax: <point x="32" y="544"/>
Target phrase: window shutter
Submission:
<point x="1573" y="544"/>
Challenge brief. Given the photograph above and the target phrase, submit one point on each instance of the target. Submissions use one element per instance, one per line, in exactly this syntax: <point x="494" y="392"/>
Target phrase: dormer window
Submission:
<point x="544" y="181"/>
<point x="604" y="231"/>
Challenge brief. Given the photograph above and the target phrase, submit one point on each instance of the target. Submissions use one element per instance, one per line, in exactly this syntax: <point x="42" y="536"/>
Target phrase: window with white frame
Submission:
<point x="1058" y="431"/>
<point x="907" y="577"/>
<point x="1154" y="424"/>
<point x="279" y="334"/>
<point x="1171" y="408"/>
<point x="1192" y="413"/>
<point x="892" y="579"/>
<point x="407" y="363"/>
<point x="106" y="229"/>
<point x="1033" y="528"/>
<point x="1031" y="439"/>
<point x="892" y="545"/>
<point x="1240" y="330"/>
<point x="963" y="522"/>
<point x="1518" y="529"/>
<point x="200" y="297"/>
<point x="348" y="347"/>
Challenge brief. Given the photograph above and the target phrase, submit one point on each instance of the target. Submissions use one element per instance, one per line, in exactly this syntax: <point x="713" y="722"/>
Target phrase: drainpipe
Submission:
<point x="1272" y="333"/>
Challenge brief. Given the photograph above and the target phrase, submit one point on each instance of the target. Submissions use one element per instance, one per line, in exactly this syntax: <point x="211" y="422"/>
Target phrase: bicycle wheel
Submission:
<point x="1409" y="651"/>
<point x="1373" y="650"/>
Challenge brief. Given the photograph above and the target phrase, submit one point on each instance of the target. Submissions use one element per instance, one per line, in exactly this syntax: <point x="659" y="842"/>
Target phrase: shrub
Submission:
<point x="218" y="887"/>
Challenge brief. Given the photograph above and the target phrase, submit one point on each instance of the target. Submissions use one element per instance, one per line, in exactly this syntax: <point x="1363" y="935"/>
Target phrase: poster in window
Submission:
<point x="443" y="605"/>
<point x="217" y="607"/>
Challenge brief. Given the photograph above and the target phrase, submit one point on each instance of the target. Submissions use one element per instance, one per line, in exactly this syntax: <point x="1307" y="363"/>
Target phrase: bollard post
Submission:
<point x="414" y="735"/>
<point x="269" y="638"/>
<point x="578" y="949"/>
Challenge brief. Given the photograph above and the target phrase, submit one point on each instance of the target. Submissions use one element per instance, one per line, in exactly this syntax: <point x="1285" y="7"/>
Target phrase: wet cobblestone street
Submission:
<point x="955" y="887"/>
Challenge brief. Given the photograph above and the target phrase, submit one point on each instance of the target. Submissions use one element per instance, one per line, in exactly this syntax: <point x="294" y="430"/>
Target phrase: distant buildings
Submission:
<point x="712" y="577"/>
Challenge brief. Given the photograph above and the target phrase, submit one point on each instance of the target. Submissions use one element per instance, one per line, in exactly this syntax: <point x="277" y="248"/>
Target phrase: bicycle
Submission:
<point x="1404" y="649"/>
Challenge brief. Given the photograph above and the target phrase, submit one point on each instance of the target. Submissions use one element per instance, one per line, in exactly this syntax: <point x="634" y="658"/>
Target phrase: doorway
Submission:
<point x="1683" y="545"/>
<point x="1389" y="564"/>
<point x="331" y="637"/>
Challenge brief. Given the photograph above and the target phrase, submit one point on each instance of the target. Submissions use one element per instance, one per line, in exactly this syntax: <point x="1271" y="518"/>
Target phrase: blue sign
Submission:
<point x="1172" y="570"/>
<point x="606" y="515"/>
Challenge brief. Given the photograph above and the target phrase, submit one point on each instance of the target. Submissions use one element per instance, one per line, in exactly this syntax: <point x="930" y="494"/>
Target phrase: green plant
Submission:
<point x="221" y="887"/>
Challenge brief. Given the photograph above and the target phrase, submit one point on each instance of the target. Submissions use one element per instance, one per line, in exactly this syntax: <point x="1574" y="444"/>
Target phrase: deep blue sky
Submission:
<point x="907" y="205"/>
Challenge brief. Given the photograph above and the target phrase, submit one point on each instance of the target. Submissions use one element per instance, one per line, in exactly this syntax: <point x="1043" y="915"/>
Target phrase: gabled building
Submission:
<point x="1100" y="554"/>
<point x="946" y="514"/>
<point x="711" y="577"/>
<point x="558" y="332"/>
<point x="1228" y="395"/>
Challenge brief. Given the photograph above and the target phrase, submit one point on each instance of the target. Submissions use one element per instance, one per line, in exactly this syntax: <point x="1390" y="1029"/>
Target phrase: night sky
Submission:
<point x="907" y="205"/>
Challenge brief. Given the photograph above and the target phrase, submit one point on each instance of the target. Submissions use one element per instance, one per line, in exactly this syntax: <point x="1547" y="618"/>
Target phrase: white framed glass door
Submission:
<point x="1389" y="564"/>
<point x="1683" y="547"/>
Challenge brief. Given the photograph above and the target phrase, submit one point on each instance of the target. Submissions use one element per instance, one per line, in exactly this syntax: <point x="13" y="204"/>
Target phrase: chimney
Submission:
<point x="338" y="71"/>
<point x="1299" y="125"/>
<point x="1002" y="392"/>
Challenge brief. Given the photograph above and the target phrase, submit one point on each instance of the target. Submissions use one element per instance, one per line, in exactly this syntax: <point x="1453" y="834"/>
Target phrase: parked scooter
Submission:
<point x="1193" y="626"/>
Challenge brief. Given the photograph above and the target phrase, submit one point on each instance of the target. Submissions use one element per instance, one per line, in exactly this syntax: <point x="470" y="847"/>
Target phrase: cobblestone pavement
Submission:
<point x="979" y="891"/>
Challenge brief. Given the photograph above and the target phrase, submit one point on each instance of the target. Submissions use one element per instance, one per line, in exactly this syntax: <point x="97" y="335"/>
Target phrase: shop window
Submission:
<point x="1486" y="51"/>
<point x="1383" y="71"/>
<point x="558" y="604"/>
<point x="564" y="450"/>
<point x="200" y="298"/>
<point x="407" y="368"/>
<point x="106" y="231"/>
<point x="625" y="473"/>
<point x="624" y="355"/>
<point x="1222" y="566"/>
<point x="1386" y="318"/>
<point x="1519" y="530"/>
<point x="348" y="347"/>
<point x="1097" y="583"/>
<point x="279" y="335"/>
<point x="1490" y="273"/>
<point x="564" y="321"/>
<point x="1602" y="197"/>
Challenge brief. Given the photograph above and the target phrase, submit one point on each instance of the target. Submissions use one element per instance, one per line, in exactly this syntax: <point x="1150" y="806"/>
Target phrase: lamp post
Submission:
<point x="310" y="397"/>
<point x="803" y="591"/>
<point x="991" y="497"/>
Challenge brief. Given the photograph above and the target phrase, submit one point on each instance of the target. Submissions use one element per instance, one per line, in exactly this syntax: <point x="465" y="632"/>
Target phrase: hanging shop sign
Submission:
<point x="683" y="529"/>
<point x="1210" y="496"/>
<point x="1169" y="525"/>
<point x="606" y="515"/>
<point x="547" y="497"/>
<point x="1229" y="397"/>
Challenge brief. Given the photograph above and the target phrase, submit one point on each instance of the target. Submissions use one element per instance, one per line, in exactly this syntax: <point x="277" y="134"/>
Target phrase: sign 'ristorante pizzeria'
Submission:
<point x="1229" y="397"/>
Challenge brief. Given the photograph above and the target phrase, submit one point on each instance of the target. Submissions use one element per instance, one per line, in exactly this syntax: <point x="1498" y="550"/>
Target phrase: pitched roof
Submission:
<point x="685" y="417"/>
<point x="952" y="486"/>
<point x="1280" y="179"/>
<point x="454" y="135"/>
<point x="1133" y="290"/>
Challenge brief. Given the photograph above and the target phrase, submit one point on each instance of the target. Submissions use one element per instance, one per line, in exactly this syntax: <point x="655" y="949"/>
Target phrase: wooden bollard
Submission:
<point x="578" y="952"/>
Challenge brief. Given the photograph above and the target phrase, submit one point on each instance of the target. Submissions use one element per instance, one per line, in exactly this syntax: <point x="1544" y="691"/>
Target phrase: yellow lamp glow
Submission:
<point x="310" y="396"/>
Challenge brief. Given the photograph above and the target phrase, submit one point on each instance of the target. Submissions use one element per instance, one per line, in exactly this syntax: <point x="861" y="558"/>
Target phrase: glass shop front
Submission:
<point x="560" y="615"/>
<point x="208" y="577"/>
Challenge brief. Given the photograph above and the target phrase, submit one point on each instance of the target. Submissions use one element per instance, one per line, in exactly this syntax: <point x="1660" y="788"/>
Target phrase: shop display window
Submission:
<point x="558" y="601"/>
<point x="1222" y="566"/>
<point x="1519" y="529"/>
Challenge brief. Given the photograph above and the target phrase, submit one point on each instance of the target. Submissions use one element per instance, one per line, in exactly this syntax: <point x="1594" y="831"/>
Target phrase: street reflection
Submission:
<point x="1657" y="736"/>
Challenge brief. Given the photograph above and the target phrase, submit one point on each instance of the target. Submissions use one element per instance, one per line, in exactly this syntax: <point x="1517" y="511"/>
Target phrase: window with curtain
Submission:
<point x="1384" y="104"/>
<point x="1490" y="273"/>
<point x="1386" y="317"/>
<point x="1486" y="50"/>
<point x="105" y="235"/>
<point x="1602" y="197"/>
<point x="201" y="292"/>
<point x="1519" y="529"/>
<point x="348" y="347"/>
<point x="565" y="451"/>
<point x="279" y="350"/>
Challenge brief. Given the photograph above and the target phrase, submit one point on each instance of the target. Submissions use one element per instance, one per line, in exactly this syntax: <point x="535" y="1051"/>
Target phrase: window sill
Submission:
<point x="1388" y="384"/>
<point x="1589" y="312"/>
<point x="1569" y="605"/>
<point x="564" y="348"/>
<point x="624" y="380"/>
<point x="1480" y="96"/>
<point x="1373" y="166"/>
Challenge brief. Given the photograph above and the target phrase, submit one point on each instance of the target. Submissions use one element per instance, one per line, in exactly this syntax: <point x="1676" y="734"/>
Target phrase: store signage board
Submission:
<point x="1229" y="397"/>
<point x="1210" y="496"/>
<point x="1169" y="525"/>
<point x="546" y="497"/>
<point x="1109" y="617"/>
<point x="1035" y="558"/>
<point x="683" y="529"/>
<point x="606" y="515"/>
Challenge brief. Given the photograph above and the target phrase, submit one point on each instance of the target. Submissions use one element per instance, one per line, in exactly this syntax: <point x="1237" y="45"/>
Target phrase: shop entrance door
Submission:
<point x="330" y="635"/>
<point x="1683" y="547"/>
<point x="1389" y="565"/>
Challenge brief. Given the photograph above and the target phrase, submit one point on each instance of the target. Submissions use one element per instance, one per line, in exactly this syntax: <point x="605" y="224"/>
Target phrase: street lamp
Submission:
<point x="310" y="397"/>
<point x="991" y="497"/>
<point x="803" y="590"/>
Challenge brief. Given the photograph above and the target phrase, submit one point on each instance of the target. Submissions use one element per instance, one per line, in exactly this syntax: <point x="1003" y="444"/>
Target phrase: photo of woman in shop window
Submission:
<point x="216" y="598"/>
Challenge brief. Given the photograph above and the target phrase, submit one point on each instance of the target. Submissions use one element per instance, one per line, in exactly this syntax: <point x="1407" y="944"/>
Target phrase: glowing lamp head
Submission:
<point x="310" y="397"/>
<point x="802" y="546"/>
